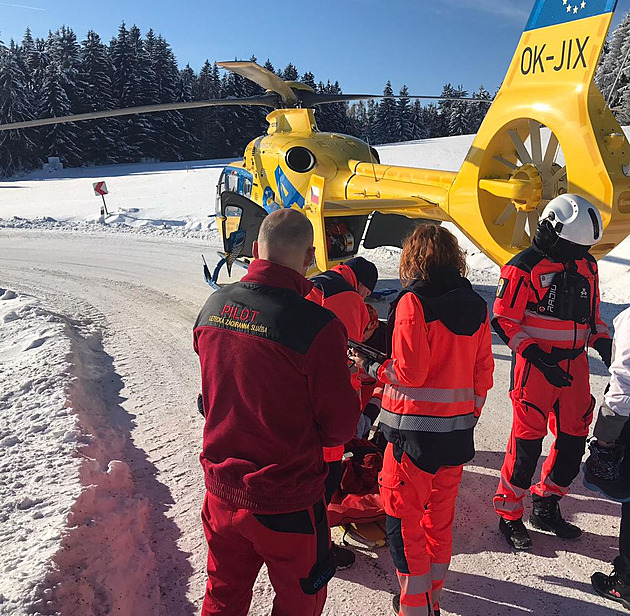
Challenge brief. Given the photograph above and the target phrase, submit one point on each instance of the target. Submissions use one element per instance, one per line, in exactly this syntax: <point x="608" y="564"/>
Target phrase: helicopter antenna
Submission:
<point x="367" y="139"/>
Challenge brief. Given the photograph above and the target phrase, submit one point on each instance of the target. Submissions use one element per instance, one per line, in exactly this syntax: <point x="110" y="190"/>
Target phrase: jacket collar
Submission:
<point x="443" y="280"/>
<point x="273" y="274"/>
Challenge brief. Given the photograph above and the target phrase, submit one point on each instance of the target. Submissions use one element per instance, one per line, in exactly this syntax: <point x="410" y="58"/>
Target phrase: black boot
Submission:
<point x="546" y="516"/>
<point x="516" y="533"/>
<point x="613" y="586"/>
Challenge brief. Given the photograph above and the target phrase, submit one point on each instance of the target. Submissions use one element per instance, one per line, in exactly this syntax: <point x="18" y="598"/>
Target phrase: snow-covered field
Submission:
<point x="99" y="438"/>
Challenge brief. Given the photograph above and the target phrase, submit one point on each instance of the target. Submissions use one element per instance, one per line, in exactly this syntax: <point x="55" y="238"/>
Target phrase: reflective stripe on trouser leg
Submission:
<point x="532" y="398"/>
<point x="405" y="490"/>
<point x="438" y="575"/>
<point x="561" y="466"/>
<point x="516" y="476"/>
<point x="438" y="524"/>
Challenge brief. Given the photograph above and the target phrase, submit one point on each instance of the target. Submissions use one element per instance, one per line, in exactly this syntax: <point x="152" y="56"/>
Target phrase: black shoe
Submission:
<point x="516" y="533"/>
<point x="344" y="559"/>
<point x="612" y="587"/>
<point x="546" y="516"/>
<point x="396" y="604"/>
<point x="616" y="489"/>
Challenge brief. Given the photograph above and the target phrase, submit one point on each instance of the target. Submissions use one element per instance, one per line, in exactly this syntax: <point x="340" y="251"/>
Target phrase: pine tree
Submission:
<point x="290" y="73"/>
<point x="459" y="121"/>
<point x="613" y="70"/>
<point x="102" y="137"/>
<point x="210" y="126"/>
<point x="385" y="123"/>
<point x="17" y="149"/>
<point x="403" y="117"/>
<point x="432" y="121"/>
<point x="185" y="92"/>
<point x="59" y="139"/>
<point x="478" y="111"/>
<point x="134" y="85"/>
<point x="309" y="79"/>
<point x="418" y="121"/>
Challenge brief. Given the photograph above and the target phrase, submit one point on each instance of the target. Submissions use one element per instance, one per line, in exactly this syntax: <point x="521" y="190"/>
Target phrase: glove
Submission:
<point x="604" y="347"/>
<point x="604" y="462"/>
<point x="548" y="365"/>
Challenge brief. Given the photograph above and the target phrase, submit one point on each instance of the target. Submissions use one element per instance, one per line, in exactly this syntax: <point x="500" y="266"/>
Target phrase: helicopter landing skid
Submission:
<point x="212" y="280"/>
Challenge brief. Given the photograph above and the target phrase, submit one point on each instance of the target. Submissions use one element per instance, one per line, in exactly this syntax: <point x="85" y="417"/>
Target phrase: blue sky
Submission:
<point x="360" y="43"/>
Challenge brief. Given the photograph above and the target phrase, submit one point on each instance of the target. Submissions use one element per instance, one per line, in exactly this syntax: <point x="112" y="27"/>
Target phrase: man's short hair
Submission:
<point x="286" y="229"/>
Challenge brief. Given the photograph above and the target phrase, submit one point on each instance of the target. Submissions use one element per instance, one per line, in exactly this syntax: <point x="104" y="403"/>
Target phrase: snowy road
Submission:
<point x="144" y="294"/>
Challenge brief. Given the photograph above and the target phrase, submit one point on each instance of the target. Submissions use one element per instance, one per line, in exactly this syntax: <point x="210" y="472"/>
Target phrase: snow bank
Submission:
<point x="74" y="539"/>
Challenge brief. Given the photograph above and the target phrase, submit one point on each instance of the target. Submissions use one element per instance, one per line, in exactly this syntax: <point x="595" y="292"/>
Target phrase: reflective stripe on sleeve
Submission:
<point x="388" y="373"/>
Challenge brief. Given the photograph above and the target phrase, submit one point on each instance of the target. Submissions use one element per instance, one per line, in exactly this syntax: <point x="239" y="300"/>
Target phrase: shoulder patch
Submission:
<point x="501" y="287"/>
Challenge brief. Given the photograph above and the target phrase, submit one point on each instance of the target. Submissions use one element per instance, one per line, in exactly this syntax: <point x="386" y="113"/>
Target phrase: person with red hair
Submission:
<point x="435" y="383"/>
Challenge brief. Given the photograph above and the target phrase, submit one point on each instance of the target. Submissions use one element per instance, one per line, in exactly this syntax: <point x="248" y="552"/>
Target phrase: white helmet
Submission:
<point x="574" y="219"/>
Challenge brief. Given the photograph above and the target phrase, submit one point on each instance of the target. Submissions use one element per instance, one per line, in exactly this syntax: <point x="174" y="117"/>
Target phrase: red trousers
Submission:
<point x="420" y="508"/>
<point x="537" y="405"/>
<point x="295" y="547"/>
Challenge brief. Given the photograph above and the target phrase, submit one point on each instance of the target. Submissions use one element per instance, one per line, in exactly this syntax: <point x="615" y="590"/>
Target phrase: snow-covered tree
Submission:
<point x="101" y="137"/>
<point x="385" y="122"/>
<point x="403" y="117"/>
<point x="613" y="72"/>
<point x="59" y="139"/>
<point x="17" y="149"/>
<point x="418" y="121"/>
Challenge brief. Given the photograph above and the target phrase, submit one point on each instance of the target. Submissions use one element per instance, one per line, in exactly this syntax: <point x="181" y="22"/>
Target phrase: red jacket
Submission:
<point x="440" y="370"/>
<point x="274" y="379"/>
<point x="337" y="290"/>
<point x="551" y="304"/>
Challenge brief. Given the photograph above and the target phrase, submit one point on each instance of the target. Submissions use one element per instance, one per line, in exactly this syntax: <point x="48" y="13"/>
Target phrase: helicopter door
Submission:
<point x="389" y="230"/>
<point x="239" y="213"/>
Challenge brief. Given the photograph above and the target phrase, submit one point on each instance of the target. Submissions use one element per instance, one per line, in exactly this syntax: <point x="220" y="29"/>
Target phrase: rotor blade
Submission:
<point x="534" y="140"/>
<point x="310" y="99"/>
<point x="521" y="150"/>
<point x="519" y="229"/>
<point x="504" y="161"/>
<point x="260" y="75"/>
<point x="532" y="220"/>
<point x="505" y="214"/>
<point x="267" y="100"/>
<point x="550" y="153"/>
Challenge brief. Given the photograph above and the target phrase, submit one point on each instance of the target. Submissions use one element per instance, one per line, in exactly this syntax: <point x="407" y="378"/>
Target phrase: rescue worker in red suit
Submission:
<point x="274" y="375"/>
<point x="547" y="312"/>
<point x="343" y="290"/>
<point x="435" y="385"/>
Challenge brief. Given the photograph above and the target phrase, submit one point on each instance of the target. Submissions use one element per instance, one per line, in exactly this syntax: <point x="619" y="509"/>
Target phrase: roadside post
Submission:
<point x="100" y="190"/>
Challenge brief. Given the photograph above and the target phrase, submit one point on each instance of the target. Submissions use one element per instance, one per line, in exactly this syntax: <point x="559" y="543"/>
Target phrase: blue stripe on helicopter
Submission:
<point x="553" y="12"/>
<point x="289" y="195"/>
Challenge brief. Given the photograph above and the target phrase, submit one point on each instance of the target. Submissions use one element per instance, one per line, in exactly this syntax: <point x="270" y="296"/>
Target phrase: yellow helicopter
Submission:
<point x="547" y="110"/>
